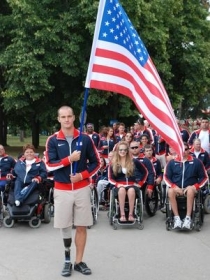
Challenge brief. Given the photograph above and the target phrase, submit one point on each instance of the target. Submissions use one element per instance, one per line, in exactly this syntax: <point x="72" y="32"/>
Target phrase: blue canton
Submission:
<point x="117" y="28"/>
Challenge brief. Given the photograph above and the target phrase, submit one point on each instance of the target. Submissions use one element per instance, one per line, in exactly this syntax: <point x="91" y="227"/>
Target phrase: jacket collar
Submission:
<point x="192" y="150"/>
<point x="60" y="134"/>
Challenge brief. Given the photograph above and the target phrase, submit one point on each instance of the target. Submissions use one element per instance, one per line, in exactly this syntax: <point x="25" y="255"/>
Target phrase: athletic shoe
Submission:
<point x="187" y="223"/>
<point x="67" y="268"/>
<point x="83" y="268"/>
<point x="17" y="202"/>
<point x="177" y="223"/>
<point x="163" y="209"/>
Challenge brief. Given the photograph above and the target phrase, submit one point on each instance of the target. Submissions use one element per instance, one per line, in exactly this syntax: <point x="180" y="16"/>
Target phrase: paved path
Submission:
<point x="127" y="253"/>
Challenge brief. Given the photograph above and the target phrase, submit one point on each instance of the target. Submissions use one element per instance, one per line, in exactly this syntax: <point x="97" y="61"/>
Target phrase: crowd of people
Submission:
<point x="124" y="159"/>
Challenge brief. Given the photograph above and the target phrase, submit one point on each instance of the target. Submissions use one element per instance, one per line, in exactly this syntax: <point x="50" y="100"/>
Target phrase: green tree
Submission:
<point x="45" y="47"/>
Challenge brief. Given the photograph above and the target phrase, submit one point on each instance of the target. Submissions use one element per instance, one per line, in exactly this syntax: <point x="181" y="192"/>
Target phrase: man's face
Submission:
<point x="148" y="153"/>
<point x="66" y="118"/>
<point x="121" y="129"/>
<point x="197" y="145"/>
<point x="204" y="124"/>
<point x="90" y="129"/>
<point x="134" y="148"/>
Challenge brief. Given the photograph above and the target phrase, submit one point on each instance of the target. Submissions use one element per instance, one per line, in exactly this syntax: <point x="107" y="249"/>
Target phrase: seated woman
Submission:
<point x="28" y="172"/>
<point x="122" y="173"/>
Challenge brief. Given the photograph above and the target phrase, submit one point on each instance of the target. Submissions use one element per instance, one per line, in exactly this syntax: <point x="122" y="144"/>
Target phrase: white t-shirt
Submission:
<point x="204" y="137"/>
<point x="196" y="154"/>
<point x="124" y="170"/>
<point x="29" y="163"/>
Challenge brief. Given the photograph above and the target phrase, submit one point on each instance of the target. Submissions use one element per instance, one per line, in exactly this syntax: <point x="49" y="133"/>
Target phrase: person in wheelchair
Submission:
<point x="28" y="172"/>
<point x="184" y="177"/>
<point x="7" y="164"/>
<point x="150" y="181"/>
<point x="121" y="173"/>
<point x="200" y="153"/>
<point x="148" y="152"/>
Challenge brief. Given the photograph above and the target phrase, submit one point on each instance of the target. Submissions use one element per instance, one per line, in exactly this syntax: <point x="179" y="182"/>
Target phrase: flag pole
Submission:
<point x="82" y="121"/>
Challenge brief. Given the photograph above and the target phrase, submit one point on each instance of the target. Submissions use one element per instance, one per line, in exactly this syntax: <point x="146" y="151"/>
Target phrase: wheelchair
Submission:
<point x="151" y="203"/>
<point x="197" y="216"/>
<point x="114" y="211"/>
<point x="35" y="209"/>
<point x="3" y="203"/>
<point x="94" y="204"/>
<point x="206" y="198"/>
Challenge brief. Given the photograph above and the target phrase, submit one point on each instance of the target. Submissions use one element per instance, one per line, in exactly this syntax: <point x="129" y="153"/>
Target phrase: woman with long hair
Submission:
<point x="107" y="143"/>
<point x="127" y="174"/>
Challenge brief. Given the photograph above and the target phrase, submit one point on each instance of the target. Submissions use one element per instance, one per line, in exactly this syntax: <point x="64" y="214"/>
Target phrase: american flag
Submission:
<point x="120" y="63"/>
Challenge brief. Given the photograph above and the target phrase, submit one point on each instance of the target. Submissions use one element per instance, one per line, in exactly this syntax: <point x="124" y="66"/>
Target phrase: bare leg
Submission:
<point x="172" y="199"/>
<point x="131" y="199"/>
<point x="190" y="199"/>
<point x="121" y="197"/>
<point x="80" y="241"/>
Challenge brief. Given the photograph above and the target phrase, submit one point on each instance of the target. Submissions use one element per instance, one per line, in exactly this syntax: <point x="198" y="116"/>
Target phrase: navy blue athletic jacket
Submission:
<point x="183" y="174"/>
<point x="38" y="171"/>
<point x="139" y="176"/>
<point x="7" y="164"/>
<point x="57" y="153"/>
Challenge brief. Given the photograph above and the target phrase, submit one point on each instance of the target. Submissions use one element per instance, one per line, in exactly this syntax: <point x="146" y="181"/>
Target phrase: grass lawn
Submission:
<point x="15" y="146"/>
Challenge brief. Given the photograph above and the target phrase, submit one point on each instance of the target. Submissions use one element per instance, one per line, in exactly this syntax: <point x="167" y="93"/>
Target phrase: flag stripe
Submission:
<point x="167" y="131"/>
<point x="152" y="103"/>
<point x="120" y="63"/>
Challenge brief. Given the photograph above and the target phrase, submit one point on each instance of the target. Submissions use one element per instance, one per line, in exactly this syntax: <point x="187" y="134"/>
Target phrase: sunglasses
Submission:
<point x="135" y="147"/>
<point x="186" y="149"/>
<point x="123" y="150"/>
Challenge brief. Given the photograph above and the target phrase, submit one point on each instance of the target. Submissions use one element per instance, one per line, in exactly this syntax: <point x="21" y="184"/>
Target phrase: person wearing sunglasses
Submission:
<point x="135" y="150"/>
<point x="184" y="177"/>
<point x="127" y="175"/>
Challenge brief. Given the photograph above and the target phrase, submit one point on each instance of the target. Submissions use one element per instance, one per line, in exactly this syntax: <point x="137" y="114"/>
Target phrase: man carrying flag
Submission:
<point x="120" y="63"/>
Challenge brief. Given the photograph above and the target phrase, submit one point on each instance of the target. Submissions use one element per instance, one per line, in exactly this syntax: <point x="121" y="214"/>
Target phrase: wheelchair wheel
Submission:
<point x="47" y="213"/>
<point x="140" y="210"/>
<point x="94" y="204"/>
<point x="8" y="222"/>
<point x="140" y="226"/>
<point x="111" y="208"/>
<point x="169" y="216"/>
<point x="151" y="204"/>
<point x="34" y="222"/>
<point x="206" y="204"/>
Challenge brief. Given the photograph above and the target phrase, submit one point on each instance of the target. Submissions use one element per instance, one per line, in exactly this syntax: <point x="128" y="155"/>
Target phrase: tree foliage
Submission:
<point x="45" y="47"/>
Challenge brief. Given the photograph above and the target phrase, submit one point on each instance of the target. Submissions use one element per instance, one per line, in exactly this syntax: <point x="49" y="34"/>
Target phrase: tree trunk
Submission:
<point x="35" y="132"/>
<point x="21" y="135"/>
<point x="3" y="127"/>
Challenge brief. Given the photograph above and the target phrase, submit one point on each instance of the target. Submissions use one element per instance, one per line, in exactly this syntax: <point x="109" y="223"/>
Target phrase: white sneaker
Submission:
<point x="177" y="223"/>
<point x="187" y="223"/>
<point x="17" y="202"/>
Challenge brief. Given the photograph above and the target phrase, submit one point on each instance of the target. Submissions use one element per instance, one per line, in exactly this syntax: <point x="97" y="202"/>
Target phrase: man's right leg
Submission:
<point x="67" y="240"/>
